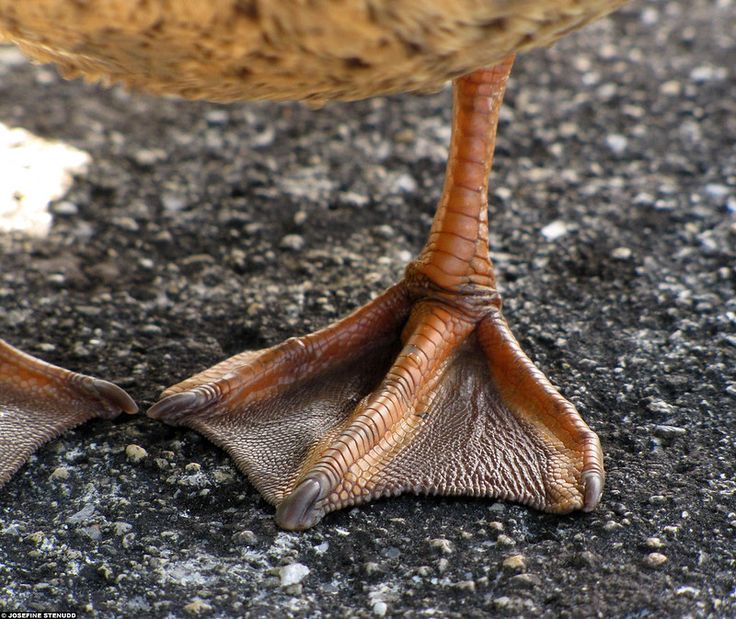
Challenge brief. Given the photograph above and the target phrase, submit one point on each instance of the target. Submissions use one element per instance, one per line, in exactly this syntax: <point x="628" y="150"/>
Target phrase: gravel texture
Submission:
<point x="195" y="231"/>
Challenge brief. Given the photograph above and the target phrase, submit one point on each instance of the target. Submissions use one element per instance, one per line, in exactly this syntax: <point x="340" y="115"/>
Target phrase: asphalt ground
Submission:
<point x="193" y="231"/>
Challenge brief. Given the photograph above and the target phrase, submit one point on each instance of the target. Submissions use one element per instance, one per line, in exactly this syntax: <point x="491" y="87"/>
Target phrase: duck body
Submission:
<point x="315" y="50"/>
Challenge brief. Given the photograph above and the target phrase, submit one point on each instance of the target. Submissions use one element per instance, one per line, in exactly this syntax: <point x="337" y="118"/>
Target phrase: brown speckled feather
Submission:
<point x="315" y="50"/>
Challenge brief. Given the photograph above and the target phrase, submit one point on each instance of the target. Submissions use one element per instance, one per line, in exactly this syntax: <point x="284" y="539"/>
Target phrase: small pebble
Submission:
<point x="654" y="543"/>
<point x="148" y="157"/>
<point x="515" y="563"/>
<point x="135" y="453"/>
<point x="555" y="230"/>
<point x="503" y="602"/>
<point x="715" y="191"/>
<point x="379" y="609"/>
<point x="671" y="88"/>
<point x="197" y="607"/>
<point x="293" y="574"/>
<point x="526" y="580"/>
<point x="655" y="559"/>
<point x="245" y="537"/>
<point x="660" y="406"/>
<point x="443" y="545"/>
<point x="193" y="467"/>
<point x="372" y="567"/>
<point x="669" y="432"/>
<point x="66" y="208"/>
<point x="173" y="203"/>
<point x="294" y="242"/>
<point x="93" y="531"/>
<point x="442" y="565"/>
<point x="617" y="143"/>
<point x="707" y="73"/>
<point x="83" y="515"/>
<point x="385" y="231"/>
<point x="505" y="540"/>
<point x="405" y="183"/>
<point x="585" y="559"/>
<point x="121" y="528"/>
<point x="224" y="476"/>
<point x="105" y="571"/>
<point x="690" y="592"/>
<point x="217" y="117"/>
<point x="60" y="473"/>
<point x="612" y="526"/>
<point x="621" y="253"/>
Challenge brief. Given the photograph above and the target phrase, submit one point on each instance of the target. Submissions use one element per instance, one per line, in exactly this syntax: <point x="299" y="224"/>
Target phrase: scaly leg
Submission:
<point x="424" y="389"/>
<point x="38" y="401"/>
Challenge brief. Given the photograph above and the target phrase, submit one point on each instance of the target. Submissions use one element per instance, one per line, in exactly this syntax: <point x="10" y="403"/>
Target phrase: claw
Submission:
<point x="298" y="510"/>
<point x="593" y="489"/>
<point x="175" y="407"/>
<point x="113" y="395"/>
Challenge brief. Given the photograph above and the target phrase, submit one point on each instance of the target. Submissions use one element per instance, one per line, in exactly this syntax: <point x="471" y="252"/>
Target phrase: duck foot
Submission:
<point x="38" y="401"/>
<point x="422" y="390"/>
<point x="407" y="394"/>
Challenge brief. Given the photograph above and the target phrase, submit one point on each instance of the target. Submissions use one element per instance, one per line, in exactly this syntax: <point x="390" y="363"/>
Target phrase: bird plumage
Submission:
<point x="315" y="50"/>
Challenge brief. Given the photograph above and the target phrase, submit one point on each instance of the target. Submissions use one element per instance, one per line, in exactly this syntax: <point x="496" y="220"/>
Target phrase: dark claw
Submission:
<point x="297" y="511"/>
<point x="112" y="395"/>
<point x="172" y="408"/>
<point x="593" y="489"/>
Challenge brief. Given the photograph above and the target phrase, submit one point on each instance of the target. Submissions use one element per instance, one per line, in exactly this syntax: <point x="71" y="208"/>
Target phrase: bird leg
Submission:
<point x="424" y="389"/>
<point x="38" y="401"/>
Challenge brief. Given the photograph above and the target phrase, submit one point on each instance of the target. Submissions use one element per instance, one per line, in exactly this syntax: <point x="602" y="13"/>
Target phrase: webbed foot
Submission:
<point x="38" y="401"/>
<point x="424" y="389"/>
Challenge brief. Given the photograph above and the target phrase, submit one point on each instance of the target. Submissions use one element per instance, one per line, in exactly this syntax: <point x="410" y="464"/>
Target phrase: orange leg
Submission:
<point x="424" y="389"/>
<point x="38" y="401"/>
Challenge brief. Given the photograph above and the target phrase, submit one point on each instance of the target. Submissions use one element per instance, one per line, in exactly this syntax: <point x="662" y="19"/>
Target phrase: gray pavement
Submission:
<point x="194" y="231"/>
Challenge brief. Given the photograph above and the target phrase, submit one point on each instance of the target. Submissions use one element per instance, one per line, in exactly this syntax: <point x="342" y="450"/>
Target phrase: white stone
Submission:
<point x="617" y="143"/>
<point x="555" y="230"/>
<point x="135" y="453"/>
<point x="293" y="574"/>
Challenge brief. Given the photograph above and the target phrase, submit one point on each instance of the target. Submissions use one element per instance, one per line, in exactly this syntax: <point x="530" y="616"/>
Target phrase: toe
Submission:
<point x="300" y="510"/>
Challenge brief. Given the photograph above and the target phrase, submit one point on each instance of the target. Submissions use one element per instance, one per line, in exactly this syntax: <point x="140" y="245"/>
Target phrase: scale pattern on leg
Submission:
<point x="38" y="401"/>
<point x="456" y="255"/>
